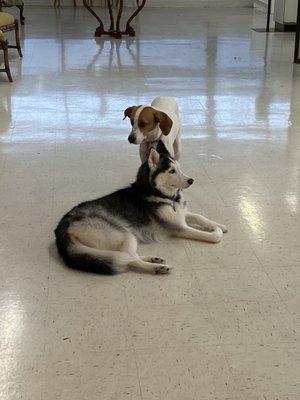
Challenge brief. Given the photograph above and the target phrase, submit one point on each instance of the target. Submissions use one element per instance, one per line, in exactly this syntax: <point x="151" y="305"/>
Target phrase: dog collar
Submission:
<point x="176" y="199"/>
<point x="168" y="200"/>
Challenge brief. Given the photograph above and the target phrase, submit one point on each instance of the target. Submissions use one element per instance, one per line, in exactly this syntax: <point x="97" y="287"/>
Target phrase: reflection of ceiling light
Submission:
<point x="12" y="322"/>
<point x="252" y="216"/>
<point x="12" y="328"/>
<point x="292" y="202"/>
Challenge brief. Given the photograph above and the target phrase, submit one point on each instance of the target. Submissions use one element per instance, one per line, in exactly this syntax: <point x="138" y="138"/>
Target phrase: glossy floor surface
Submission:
<point x="223" y="324"/>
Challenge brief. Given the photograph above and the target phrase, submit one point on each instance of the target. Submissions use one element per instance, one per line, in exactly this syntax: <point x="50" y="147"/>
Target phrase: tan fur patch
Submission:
<point x="146" y="121"/>
<point x="149" y="118"/>
<point x="130" y="112"/>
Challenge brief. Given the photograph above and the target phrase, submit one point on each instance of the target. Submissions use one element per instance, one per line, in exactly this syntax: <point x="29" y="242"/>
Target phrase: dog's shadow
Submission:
<point x="54" y="256"/>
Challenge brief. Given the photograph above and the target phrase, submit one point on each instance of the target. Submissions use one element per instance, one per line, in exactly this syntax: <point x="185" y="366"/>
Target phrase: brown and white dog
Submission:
<point x="160" y="121"/>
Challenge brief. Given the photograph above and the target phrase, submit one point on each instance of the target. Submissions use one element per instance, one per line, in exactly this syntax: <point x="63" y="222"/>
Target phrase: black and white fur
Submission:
<point x="102" y="235"/>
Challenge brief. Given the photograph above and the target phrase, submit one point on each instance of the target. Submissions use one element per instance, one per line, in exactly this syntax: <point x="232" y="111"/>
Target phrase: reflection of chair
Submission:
<point x="5" y="111"/>
<point x="8" y="23"/>
<point x="15" y="3"/>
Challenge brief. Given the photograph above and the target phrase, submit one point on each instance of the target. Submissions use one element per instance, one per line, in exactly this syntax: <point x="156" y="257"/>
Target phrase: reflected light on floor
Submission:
<point x="252" y="215"/>
<point x="12" y="323"/>
<point x="292" y="202"/>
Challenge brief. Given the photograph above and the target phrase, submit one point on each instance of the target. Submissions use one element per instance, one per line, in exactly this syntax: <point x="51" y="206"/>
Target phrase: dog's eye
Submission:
<point x="142" y="124"/>
<point x="172" y="171"/>
<point x="132" y="122"/>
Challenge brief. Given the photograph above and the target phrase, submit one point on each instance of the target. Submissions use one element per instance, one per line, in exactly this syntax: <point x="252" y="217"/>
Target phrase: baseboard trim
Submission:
<point x="291" y="27"/>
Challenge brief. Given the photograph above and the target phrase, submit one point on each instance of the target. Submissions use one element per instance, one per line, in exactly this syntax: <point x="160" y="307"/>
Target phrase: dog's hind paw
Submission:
<point x="223" y="227"/>
<point x="216" y="236"/>
<point x="157" y="260"/>
<point x="162" y="269"/>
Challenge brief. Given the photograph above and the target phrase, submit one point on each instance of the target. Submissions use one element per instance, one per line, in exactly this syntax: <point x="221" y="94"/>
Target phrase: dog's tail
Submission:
<point x="81" y="257"/>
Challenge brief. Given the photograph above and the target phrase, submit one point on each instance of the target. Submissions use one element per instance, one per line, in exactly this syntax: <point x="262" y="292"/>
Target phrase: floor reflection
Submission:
<point x="5" y="113"/>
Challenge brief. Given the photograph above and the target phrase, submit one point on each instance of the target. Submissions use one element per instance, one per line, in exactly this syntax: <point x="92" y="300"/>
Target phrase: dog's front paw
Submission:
<point x="216" y="236"/>
<point x="157" y="260"/>
<point x="223" y="227"/>
<point x="162" y="269"/>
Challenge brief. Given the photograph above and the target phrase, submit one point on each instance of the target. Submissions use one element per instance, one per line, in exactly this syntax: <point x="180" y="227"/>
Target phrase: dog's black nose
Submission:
<point x="130" y="139"/>
<point x="190" y="181"/>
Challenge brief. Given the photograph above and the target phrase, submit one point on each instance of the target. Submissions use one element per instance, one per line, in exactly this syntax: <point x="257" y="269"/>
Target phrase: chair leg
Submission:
<point x="22" y="18"/>
<point x="6" y="62"/>
<point x="18" y="45"/>
<point x="56" y="3"/>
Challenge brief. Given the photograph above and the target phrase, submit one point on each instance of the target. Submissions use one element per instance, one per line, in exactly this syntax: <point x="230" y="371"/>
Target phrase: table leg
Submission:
<point x="100" y="30"/>
<point x="118" y="33"/>
<point x="114" y="31"/>
<point x="111" y="16"/>
<point x="129" y="29"/>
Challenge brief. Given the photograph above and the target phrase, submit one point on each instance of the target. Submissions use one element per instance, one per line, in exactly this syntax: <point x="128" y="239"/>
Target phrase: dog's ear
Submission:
<point x="164" y="121"/>
<point x="130" y="111"/>
<point x="161" y="148"/>
<point x="153" y="158"/>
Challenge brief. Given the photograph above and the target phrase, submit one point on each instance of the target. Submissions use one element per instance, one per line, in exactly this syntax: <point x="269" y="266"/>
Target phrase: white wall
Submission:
<point x="161" y="3"/>
<point x="290" y="12"/>
<point x="285" y="11"/>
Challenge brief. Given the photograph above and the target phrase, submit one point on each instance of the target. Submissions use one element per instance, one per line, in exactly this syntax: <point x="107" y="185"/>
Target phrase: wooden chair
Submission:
<point x="8" y="23"/>
<point x="15" y="3"/>
<point x="4" y="47"/>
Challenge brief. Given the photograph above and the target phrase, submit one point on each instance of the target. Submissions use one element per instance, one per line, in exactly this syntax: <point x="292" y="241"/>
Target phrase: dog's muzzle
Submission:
<point x="187" y="183"/>
<point x="131" y="139"/>
<point x="135" y="136"/>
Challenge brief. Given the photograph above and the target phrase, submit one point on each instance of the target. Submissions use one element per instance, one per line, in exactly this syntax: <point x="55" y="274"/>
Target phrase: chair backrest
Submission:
<point x="2" y="37"/>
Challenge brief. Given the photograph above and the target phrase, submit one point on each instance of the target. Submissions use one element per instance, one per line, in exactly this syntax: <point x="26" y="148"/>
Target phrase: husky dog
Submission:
<point x="102" y="235"/>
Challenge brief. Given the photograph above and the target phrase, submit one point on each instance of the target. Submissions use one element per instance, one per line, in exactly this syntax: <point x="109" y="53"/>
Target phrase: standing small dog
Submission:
<point x="101" y="235"/>
<point x="151" y="123"/>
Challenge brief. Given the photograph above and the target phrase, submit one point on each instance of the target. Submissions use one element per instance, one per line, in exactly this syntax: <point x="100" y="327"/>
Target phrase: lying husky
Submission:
<point x="101" y="235"/>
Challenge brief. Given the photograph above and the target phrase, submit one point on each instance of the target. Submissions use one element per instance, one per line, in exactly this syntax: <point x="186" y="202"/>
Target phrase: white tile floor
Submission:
<point x="223" y="324"/>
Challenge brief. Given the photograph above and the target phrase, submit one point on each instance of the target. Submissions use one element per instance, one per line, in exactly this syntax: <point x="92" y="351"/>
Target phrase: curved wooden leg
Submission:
<point x="22" y="18"/>
<point x="18" y="46"/>
<point x="56" y="3"/>
<point x="129" y="29"/>
<point x="100" y="30"/>
<point x="111" y="15"/>
<point x="118" y="34"/>
<point x="6" y="62"/>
